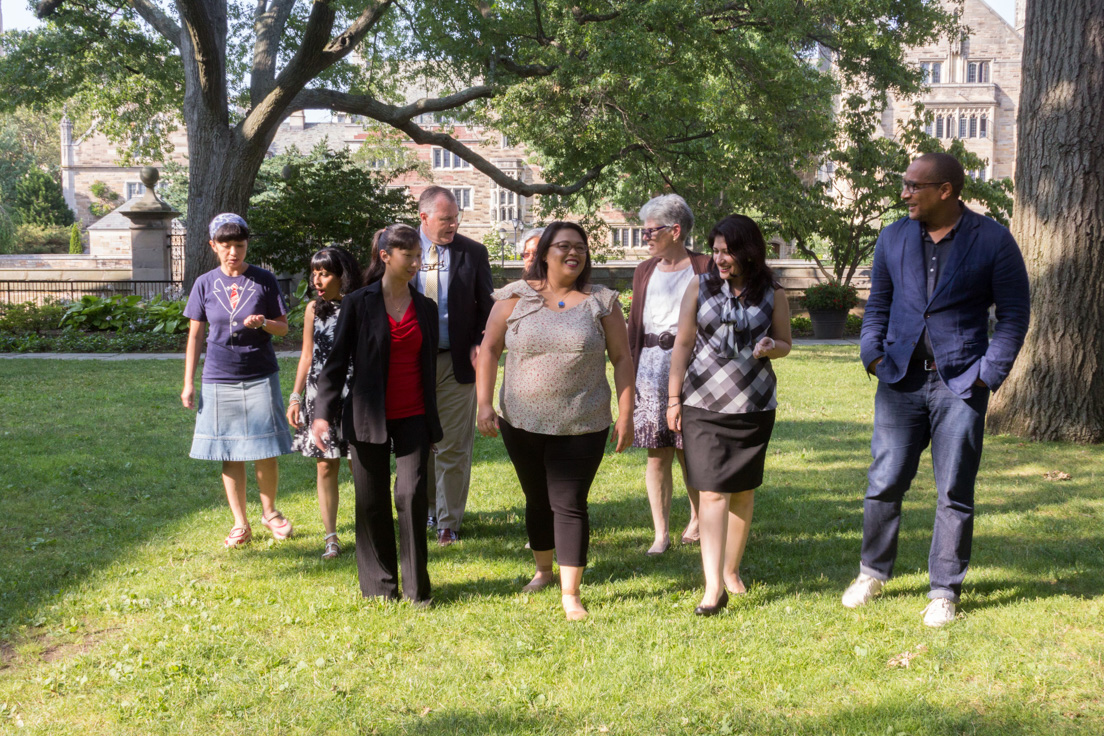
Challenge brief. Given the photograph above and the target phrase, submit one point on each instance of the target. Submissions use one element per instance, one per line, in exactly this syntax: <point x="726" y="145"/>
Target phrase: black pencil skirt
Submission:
<point x="725" y="452"/>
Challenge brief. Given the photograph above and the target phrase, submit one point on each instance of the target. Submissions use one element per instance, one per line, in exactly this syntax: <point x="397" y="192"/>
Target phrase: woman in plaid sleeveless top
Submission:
<point x="722" y="394"/>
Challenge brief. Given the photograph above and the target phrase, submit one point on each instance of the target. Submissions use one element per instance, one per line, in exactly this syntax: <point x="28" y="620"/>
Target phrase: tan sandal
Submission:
<point x="238" y="536"/>
<point x="278" y="525"/>
<point x="332" y="548"/>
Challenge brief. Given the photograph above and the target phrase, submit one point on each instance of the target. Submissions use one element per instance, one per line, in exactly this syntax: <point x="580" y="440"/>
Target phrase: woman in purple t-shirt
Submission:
<point x="241" y="410"/>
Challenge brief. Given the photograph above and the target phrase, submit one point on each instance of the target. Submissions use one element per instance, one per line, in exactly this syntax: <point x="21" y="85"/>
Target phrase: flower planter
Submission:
<point x="828" y="324"/>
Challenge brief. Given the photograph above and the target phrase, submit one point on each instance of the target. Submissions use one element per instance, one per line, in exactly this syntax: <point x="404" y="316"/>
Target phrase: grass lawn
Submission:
<point x="120" y="613"/>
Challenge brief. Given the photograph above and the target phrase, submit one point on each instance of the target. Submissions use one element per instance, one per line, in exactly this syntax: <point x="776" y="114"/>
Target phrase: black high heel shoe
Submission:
<point x="713" y="610"/>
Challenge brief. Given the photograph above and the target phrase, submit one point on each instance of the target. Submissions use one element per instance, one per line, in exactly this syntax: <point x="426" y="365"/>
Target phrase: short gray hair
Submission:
<point x="427" y="201"/>
<point x="669" y="209"/>
<point x="533" y="232"/>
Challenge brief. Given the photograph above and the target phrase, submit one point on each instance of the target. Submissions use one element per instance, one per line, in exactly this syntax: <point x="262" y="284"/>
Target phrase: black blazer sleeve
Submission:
<point x="331" y="379"/>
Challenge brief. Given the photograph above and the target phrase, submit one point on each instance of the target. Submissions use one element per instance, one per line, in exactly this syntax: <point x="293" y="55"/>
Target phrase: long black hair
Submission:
<point x="538" y="267"/>
<point x="386" y="240"/>
<point x="745" y="242"/>
<point x="340" y="263"/>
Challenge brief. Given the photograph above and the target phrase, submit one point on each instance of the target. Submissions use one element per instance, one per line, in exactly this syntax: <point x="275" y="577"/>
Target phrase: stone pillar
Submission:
<point x="68" y="162"/>
<point x="150" y="219"/>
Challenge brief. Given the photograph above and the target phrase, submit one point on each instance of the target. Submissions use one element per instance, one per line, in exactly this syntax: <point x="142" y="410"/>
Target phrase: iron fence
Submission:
<point x="39" y="292"/>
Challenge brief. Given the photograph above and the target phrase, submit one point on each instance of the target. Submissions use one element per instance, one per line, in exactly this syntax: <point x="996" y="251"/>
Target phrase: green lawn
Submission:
<point x="120" y="613"/>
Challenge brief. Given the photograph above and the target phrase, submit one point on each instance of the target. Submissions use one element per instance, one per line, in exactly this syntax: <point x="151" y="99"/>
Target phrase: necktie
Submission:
<point x="431" y="273"/>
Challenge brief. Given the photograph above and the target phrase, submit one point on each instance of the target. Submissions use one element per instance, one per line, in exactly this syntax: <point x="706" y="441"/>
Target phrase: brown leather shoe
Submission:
<point x="445" y="537"/>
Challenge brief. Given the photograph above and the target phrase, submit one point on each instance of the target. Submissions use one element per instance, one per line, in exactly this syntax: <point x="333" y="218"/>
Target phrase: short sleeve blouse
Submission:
<point x="236" y="352"/>
<point x="555" y="376"/>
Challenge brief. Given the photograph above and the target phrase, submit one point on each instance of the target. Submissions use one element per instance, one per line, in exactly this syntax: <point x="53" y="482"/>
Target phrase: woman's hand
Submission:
<point x="320" y="430"/>
<point x="623" y="432"/>
<point x="187" y="396"/>
<point x="254" y="321"/>
<point x="674" y="417"/>
<point x="762" y="347"/>
<point x="293" y="415"/>
<point x="486" y="421"/>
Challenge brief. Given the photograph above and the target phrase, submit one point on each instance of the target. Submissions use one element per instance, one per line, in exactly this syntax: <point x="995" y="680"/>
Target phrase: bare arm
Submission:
<point x="293" y="411"/>
<point x="779" y="339"/>
<point x="680" y="353"/>
<point x="624" y="375"/>
<point x="486" y="366"/>
<point x="191" y="360"/>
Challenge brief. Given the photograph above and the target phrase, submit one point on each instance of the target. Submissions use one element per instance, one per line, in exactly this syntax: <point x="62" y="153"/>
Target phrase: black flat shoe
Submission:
<point x="713" y="610"/>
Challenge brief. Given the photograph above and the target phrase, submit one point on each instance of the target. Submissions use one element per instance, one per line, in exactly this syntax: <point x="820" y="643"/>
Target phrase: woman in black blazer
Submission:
<point x="389" y="331"/>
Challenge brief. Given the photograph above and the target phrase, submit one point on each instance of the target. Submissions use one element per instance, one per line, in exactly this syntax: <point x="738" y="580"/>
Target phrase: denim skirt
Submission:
<point x="241" y="421"/>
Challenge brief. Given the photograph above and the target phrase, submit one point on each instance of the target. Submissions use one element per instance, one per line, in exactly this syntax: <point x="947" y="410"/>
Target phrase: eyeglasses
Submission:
<point x="648" y="232"/>
<point x="911" y="187"/>
<point x="568" y="246"/>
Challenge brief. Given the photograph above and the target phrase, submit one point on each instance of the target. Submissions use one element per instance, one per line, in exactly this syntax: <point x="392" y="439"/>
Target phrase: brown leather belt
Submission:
<point x="664" y="340"/>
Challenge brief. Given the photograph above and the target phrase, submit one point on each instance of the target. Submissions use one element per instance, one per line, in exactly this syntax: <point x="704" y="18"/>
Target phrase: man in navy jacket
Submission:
<point x="925" y="335"/>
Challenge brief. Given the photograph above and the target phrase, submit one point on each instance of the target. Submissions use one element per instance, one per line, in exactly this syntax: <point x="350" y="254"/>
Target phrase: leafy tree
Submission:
<point x="835" y="221"/>
<point x="39" y="200"/>
<point x="617" y="99"/>
<point x="304" y="203"/>
<point x="107" y="199"/>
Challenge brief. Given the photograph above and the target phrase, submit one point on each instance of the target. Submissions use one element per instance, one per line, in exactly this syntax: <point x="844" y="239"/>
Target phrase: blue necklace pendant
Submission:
<point x="561" y="305"/>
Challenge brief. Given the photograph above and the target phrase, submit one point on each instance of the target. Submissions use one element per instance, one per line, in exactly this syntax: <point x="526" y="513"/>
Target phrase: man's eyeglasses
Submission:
<point x="568" y="246"/>
<point x="648" y="232"/>
<point x="911" y="187"/>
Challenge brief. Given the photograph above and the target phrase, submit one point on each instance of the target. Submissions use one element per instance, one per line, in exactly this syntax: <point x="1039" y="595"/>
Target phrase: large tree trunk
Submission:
<point x="1056" y="389"/>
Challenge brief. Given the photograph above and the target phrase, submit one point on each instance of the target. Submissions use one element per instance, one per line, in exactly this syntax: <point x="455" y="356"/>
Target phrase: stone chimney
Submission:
<point x="1021" y="15"/>
<point x="297" y="120"/>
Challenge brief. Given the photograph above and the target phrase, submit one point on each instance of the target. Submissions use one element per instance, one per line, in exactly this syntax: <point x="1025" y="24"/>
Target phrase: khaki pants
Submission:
<point x="450" y="468"/>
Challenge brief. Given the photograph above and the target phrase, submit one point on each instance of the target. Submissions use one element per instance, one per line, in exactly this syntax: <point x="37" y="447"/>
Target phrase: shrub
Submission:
<point x="39" y="200"/>
<point x="801" y="326"/>
<point x="29" y="317"/>
<point x="73" y="341"/>
<point x="626" y="301"/>
<point x="40" y="239"/>
<point x="165" y="316"/>
<point x="7" y="231"/>
<point x="76" y="247"/>
<point x="831" y="297"/>
<point x="103" y="313"/>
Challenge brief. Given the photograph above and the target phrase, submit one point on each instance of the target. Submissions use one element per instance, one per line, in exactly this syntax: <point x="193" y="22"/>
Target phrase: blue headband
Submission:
<point x="226" y="218"/>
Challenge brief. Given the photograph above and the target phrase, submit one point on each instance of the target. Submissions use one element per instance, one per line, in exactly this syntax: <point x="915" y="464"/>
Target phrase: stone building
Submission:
<point x="973" y="87"/>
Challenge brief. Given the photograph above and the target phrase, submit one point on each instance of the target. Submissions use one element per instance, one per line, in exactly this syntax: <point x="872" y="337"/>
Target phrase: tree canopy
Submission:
<point x="720" y="101"/>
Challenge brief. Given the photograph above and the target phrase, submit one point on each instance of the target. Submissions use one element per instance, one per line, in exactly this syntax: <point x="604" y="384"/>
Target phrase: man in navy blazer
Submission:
<point x="925" y="335"/>
<point x="456" y="273"/>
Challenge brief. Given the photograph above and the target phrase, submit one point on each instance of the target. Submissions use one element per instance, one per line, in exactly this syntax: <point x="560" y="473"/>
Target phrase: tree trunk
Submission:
<point x="1056" y="389"/>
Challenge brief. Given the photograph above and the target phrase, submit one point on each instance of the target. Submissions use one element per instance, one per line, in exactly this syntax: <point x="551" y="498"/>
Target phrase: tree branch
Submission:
<point x="207" y="35"/>
<point x="157" y="18"/>
<point x="268" y="27"/>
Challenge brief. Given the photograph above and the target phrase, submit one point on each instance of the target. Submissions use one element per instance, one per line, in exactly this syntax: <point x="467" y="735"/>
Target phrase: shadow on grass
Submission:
<point x="889" y="715"/>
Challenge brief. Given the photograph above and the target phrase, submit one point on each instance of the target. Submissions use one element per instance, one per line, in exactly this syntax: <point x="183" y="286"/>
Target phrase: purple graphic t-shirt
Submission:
<point x="236" y="352"/>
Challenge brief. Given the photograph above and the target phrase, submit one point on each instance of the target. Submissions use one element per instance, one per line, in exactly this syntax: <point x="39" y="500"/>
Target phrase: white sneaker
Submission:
<point x="862" y="591"/>
<point x="939" y="612"/>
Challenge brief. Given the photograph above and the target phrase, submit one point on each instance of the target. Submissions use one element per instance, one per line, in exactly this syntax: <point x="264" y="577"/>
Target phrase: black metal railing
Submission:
<point x="16" y="292"/>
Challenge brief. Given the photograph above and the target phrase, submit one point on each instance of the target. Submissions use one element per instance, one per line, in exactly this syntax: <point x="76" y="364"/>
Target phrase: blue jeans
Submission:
<point x="907" y="416"/>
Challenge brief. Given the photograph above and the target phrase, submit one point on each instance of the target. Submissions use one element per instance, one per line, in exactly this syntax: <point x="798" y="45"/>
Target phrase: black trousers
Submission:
<point x="377" y="567"/>
<point x="555" y="473"/>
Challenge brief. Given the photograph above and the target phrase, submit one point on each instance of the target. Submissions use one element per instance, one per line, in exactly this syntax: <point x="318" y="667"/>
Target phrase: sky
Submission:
<point x="17" y="13"/>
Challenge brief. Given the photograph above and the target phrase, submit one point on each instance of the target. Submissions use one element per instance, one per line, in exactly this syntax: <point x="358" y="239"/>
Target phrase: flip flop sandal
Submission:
<point x="238" y="536"/>
<point x="278" y="525"/>
<point x="332" y="548"/>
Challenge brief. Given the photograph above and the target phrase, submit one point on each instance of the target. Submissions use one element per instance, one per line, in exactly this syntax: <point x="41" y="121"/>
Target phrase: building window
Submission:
<point x="135" y="189"/>
<point x="933" y="71"/>
<point x="505" y="142"/>
<point x="973" y="126"/>
<point x="983" y="130"/>
<point x="443" y="159"/>
<point x="962" y="126"/>
<point x="378" y="163"/>
<point x="938" y="126"/>
<point x="507" y="206"/>
<point x="978" y="174"/>
<point x="463" y="197"/>
<point x="625" y="237"/>
<point x="977" y="72"/>
<point x="928" y="127"/>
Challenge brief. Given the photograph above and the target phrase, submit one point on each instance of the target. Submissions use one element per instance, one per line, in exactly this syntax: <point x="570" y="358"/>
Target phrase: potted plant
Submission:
<point x="828" y="304"/>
